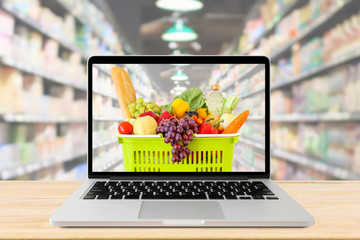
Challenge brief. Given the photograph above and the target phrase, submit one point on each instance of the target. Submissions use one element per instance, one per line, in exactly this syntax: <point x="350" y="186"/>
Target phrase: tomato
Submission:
<point x="125" y="128"/>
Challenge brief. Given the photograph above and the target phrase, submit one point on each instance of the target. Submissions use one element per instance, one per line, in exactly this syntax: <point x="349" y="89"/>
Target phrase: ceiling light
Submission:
<point x="196" y="46"/>
<point x="180" y="5"/>
<point x="173" y="45"/>
<point x="179" y="88"/>
<point x="178" y="52"/>
<point x="179" y="33"/>
<point x="179" y="76"/>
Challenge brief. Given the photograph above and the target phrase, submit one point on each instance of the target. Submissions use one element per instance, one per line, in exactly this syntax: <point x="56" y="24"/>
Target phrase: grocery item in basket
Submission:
<point x="145" y="126"/>
<point x="151" y="114"/>
<point x="202" y="113"/>
<point x="125" y="128"/>
<point x="124" y="89"/>
<point x="198" y="121"/>
<point x="228" y="118"/>
<point x="140" y="106"/>
<point x="165" y="115"/>
<point x="193" y="96"/>
<point x="208" y="128"/>
<point x="214" y="120"/>
<point x="191" y="113"/>
<point x="214" y="100"/>
<point x="229" y="105"/>
<point x="175" y="132"/>
<point x="237" y="123"/>
<point x="179" y="108"/>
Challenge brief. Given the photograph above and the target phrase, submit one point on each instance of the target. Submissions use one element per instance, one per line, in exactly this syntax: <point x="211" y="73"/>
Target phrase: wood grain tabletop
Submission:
<point x="25" y="208"/>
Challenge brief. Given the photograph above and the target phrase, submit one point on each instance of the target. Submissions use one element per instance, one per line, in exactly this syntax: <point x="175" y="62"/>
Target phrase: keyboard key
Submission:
<point x="132" y="196"/>
<point x="148" y="196"/>
<point x="215" y="196"/>
<point x="113" y="184"/>
<point x="230" y="197"/>
<point x="101" y="183"/>
<point x="233" y="183"/>
<point x="89" y="196"/>
<point x="137" y="183"/>
<point x="103" y="197"/>
<point x="272" y="198"/>
<point x="267" y="193"/>
<point x="197" y="183"/>
<point x="119" y="196"/>
<point x="161" y="183"/>
<point x="200" y="196"/>
<point x="98" y="191"/>
<point x="258" y="197"/>
<point x="242" y="197"/>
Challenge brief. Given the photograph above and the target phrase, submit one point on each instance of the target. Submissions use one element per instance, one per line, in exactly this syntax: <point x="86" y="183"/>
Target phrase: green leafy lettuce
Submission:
<point x="193" y="96"/>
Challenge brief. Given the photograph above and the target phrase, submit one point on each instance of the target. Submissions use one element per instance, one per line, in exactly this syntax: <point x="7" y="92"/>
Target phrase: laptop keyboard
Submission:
<point x="219" y="190"/>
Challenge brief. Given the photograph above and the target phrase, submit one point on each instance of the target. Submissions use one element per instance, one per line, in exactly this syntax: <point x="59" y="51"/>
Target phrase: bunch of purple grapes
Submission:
<point x="176" y="131"/>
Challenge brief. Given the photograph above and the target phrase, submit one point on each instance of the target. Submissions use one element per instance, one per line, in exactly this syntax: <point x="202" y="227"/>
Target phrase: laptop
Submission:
<point x="224" y="179"/>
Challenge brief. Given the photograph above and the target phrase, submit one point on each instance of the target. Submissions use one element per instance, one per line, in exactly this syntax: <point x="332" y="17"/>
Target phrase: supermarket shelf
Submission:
<point x="316" y="117"/>
<point x="252" y="93"/>
<point x="326" y="66"/>
<point x="30" y="118"/>
<point x="314" y="164"/>
<point x="226" y="72"/>
<point x="142" y="92"/>
<point x="12" y="173"/>
<point x="319" y="22"/>
<point x="103" y="70"/>
<point x="306" y="161"/>
<point x="38" y="27"/>
<point x="256" y="118"/>
<point x="271" y="25"/>
<point x="110" y="119"/>
<point x="104" y="94"/>
<point x="109" y="166"/>
<point x="84" y="21"/>
<point x="324" y="117"/>
<point x="304" y="76"/>
<point x="251" y="143"/>
<point x="251" y="71"/>
<point x="11" y="62"/>
<point x="104" y="143"/>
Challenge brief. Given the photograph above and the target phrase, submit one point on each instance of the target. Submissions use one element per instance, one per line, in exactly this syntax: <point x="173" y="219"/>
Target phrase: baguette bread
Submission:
<point x="124" y="89"/>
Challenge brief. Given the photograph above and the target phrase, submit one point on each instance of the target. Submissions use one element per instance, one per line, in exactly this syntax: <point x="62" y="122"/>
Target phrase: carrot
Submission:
<point x="237" y="123"/>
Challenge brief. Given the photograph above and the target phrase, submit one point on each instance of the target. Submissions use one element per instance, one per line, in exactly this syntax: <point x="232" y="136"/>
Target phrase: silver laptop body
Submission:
<point x="282" y="212"/>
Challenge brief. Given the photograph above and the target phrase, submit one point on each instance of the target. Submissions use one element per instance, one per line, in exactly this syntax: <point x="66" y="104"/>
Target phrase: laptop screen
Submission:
<point x="178" y="118"/>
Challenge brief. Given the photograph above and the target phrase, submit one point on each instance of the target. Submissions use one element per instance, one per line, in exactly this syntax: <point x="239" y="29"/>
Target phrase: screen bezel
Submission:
<point x="173" y="60"/>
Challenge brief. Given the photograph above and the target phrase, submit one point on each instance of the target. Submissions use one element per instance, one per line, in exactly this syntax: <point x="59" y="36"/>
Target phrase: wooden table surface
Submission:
<point x="25" y="207"/>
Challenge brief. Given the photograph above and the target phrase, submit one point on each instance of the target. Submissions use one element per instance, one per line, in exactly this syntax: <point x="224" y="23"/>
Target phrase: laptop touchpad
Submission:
<point x="181" y="210"/>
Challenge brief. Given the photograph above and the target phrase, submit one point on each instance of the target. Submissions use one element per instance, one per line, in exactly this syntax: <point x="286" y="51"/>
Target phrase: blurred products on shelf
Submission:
<point x="23" y="144"/>
<point x="315" y="81"/>
<point x="30" y="98"/>
<point x="44" y="46"/>
<point x="314" y="48"/>
<point x="288" y="28"/>
<point x="333" y="92"/>
<point x="326" y="142"/>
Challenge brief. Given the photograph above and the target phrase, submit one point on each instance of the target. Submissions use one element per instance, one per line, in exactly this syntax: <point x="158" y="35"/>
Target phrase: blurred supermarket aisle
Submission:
<point x="313" y="46"/>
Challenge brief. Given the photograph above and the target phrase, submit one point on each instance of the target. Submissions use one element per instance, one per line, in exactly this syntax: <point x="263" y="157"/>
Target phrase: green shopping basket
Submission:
<point x="149" y="153"/>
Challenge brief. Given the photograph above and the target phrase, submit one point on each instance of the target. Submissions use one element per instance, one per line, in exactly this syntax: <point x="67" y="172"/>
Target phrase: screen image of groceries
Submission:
<point x="182" y="122"/>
